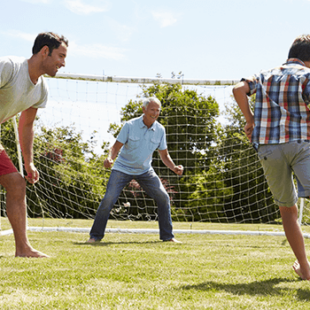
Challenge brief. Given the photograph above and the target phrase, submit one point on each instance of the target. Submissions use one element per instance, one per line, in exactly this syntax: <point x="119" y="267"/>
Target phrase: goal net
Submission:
<point x="223" y="181"/>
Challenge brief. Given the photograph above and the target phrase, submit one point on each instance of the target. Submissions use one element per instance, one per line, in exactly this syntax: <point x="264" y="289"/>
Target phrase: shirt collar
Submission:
<point x="142" y="125"/>
<point x="295" y="61"/>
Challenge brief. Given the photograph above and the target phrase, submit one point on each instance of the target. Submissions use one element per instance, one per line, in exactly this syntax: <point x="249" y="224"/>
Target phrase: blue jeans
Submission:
<point x="152" y="185"/>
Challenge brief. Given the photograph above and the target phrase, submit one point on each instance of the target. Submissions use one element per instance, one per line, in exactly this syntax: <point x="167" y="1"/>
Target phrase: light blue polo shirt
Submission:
<point x="140" y="143"/>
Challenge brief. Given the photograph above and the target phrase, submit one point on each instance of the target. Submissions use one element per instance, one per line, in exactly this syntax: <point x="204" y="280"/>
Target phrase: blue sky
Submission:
<point x="220" y="39"/>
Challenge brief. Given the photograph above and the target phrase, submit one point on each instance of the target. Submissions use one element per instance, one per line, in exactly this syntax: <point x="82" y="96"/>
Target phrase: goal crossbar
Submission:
<point x="143" y="80"/>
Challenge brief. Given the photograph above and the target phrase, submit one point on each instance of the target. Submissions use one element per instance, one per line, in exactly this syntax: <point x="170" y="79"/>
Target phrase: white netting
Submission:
<point x="222" y="182"/>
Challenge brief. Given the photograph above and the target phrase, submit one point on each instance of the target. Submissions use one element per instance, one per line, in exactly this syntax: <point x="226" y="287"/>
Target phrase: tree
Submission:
<point x="72" y="182"/>
<point x="223" y="179"/>
<point x="251" y="199"/>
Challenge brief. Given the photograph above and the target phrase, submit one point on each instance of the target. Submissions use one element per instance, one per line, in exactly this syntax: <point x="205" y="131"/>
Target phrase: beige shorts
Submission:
<point x="281" y="162"/>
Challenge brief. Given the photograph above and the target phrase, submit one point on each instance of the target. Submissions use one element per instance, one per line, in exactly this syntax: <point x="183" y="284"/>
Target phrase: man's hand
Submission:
<point x="178" y="170"/>
<point x="113" y="151"/>
<point x="108" y="163"/>
<point x="240" y="92"/>
<point x="248" y="129"/>
<point x="32" y="174"/>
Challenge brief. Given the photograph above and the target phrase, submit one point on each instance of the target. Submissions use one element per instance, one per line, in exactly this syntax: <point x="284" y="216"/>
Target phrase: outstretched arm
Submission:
<point x="165" y="157"/>
<point x="26" y="134"/>
<point x="112" y="154"/>
<point x="240" y="93"/>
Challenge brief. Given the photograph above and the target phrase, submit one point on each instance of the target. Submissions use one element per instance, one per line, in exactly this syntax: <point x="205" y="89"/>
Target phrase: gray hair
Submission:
<point x="149" y="100"/>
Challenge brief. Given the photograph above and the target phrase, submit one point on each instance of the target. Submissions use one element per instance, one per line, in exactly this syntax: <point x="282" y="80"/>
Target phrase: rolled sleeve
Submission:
<point x="252" y="81"/>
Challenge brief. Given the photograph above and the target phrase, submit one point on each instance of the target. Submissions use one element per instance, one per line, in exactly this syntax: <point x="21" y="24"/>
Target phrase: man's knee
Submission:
<point x="289" y="212"/>
<point x="162" y="196"/>
<point x="14" y="184"/>
<point x="21" y="187"/>
<point x="106" y="203"/>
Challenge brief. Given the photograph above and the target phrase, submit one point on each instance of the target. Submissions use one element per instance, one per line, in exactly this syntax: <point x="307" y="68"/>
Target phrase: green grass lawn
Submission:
<point x="137" y="271"/>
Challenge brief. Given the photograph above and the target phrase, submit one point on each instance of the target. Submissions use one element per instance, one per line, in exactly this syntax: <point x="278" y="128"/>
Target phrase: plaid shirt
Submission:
<point x="281" y="110"/>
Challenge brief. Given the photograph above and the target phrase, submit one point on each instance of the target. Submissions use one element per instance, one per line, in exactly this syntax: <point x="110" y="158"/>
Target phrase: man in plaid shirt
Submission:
<point x="280" y="130"/>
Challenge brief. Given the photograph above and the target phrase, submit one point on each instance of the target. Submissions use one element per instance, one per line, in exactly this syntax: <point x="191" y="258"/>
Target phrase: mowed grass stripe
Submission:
<point x="133" y="271"/>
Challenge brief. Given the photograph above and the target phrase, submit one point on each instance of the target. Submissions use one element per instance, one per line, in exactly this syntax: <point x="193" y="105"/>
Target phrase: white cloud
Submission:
<point x="37" y="1"/>
<point x="91" y="50"/>
<point x="96" y="51"/>
<point x="164" y="18"/>
<point x="92" y="6"/>
<point x="122" y="32"/>
<point x="21" y="35"/>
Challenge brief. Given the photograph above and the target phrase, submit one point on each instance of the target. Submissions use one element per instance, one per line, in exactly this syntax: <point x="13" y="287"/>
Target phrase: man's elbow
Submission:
<point x="242" y="88"/>
<point x="237" y="89"/>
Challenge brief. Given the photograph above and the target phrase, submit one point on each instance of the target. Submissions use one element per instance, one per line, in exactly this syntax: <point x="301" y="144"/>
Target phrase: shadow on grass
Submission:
<point x="266" y="288"/>
<point x="113" y="243"/>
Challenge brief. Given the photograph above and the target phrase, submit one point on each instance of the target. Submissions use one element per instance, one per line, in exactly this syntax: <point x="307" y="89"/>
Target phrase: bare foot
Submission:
<point x="91" y="240"/>
<point x="30" y="253"/>
<point x="174" y="240"/>
<point x="303" y="274"/>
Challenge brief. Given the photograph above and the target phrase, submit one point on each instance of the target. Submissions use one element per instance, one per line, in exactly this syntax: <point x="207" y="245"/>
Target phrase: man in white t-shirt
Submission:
<point x="23" y="89"/>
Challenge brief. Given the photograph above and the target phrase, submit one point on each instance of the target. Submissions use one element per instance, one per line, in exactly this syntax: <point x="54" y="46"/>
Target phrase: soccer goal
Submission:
<point x="223" y="181"/>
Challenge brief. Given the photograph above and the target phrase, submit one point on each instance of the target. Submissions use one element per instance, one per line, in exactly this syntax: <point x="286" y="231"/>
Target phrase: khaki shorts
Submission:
<point x="280" y="163"/>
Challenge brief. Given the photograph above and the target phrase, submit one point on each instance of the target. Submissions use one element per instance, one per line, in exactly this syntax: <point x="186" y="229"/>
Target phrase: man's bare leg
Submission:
<point x="15" y="187"/>
<point x="295" y="238"/>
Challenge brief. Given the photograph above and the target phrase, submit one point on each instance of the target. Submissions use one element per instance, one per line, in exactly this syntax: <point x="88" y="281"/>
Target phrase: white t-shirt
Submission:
<point x="17" y="92"/>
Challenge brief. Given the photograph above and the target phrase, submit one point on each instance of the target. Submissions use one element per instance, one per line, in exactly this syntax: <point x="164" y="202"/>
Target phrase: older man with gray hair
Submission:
<point x="137" y="141"/>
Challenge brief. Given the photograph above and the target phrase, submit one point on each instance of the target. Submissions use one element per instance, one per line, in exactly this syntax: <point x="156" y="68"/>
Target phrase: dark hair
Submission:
<point x="49" y="39"/>
<point x="300" y="48"/>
